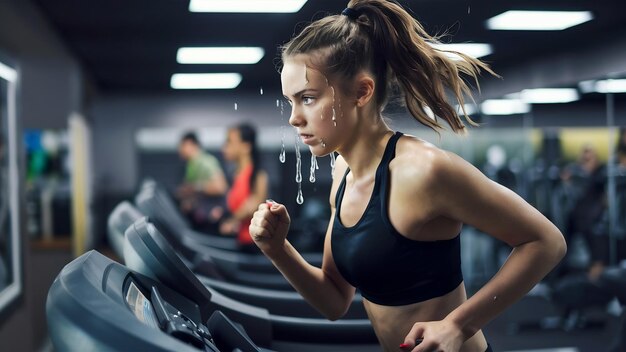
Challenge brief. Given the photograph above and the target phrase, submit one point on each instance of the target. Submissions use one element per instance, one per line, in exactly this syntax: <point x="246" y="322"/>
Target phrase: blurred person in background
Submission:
<point x="204" y="184"/>
<point x="591" y="174"/>
<point x="600" y="242"/>
<point x="249" y="186"/>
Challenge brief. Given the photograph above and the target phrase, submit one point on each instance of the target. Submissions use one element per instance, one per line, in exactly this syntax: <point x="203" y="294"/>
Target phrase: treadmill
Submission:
<point x="122" y="216"/>
<point x="96" y="304"/>
<point x="165" y="211"/>
<point x="278" y="302"/>
<point x="148" y="253"/>
<point x="203" y="260"/>
<point x="199" y="252"/>
<point x="154" y="202"/>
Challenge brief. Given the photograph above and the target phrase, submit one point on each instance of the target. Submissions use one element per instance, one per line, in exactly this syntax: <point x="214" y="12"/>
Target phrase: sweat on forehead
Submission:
<point x="298" y="75"/>
<point x="315" y="60"/>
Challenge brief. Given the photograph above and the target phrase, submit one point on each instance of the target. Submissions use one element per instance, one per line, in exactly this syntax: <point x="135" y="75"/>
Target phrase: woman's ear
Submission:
<point x="364" y="90"/>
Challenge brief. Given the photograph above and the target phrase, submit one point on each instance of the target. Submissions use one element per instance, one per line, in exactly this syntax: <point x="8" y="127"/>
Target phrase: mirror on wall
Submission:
<point x="10" y="248"/>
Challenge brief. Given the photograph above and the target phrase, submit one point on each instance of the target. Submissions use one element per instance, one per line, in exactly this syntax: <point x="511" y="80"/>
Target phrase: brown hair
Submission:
<point x="382" y="37"/>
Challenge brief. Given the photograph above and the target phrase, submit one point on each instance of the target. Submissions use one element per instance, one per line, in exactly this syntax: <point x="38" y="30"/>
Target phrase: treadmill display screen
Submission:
<point x="141" y="306"/>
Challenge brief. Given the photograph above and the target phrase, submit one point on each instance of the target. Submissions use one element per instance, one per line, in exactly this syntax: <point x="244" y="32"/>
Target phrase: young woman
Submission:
<point x="249" y="185"/>
<point x="398" y="202"/>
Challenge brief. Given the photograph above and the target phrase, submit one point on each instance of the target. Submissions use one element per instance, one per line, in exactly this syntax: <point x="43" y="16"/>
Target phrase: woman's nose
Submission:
<point x="296" y="119"/>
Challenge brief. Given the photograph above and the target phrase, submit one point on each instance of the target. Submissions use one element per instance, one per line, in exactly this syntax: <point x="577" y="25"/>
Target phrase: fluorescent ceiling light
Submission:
<point x="538" y="20"/>
<point x="504" y="107"/>
<point x="603" y="86"/>
<point x="546" y="95"/>
<point x="470" y="109"/>
<point x="220" y="55"/>
<point x="611" y="86"/>
<point x="205" y="80"/>
<point x="250" y="6"/>
<point x="7" y="73"/>
<point x="471" y="49"/>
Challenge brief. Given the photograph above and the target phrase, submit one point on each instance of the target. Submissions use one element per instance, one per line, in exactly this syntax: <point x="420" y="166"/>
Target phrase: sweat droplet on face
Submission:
<point x="300" y="197"/>
<point x="313" y="168"/>
<point x="281" y="157"/>
<point x="298" y="167"/>
<point x="334" y="112"/>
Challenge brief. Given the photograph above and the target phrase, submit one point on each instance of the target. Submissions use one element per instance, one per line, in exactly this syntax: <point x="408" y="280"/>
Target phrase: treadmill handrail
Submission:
<point x="319" y="330"/>
<point x="279" y="302"/>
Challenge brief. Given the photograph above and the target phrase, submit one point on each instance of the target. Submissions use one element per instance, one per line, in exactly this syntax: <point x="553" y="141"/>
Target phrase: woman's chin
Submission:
<point x="319" y="151"/>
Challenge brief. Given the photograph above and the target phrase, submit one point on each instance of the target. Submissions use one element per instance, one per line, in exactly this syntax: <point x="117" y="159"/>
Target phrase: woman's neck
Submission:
<point x="365" y="147"/>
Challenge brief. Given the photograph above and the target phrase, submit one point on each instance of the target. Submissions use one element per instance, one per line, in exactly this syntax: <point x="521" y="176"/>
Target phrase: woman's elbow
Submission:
<point x="335" y="314"/>
<point x="558" y="245"/>
<point x="336" y="311"/>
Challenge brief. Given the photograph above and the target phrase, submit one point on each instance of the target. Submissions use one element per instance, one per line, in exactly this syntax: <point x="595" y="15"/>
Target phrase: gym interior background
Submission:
<point x="89" y="113"/>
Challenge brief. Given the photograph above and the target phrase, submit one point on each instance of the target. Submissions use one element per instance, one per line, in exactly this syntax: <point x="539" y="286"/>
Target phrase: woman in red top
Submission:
<point x="249" y="186"/>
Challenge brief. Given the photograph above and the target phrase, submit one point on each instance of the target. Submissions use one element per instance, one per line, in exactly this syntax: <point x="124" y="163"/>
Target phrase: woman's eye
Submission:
<point x="307" y="100"/>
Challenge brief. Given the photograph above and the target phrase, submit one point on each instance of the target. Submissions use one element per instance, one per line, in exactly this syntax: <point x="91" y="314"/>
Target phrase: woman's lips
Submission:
<point x="307" y="138"/>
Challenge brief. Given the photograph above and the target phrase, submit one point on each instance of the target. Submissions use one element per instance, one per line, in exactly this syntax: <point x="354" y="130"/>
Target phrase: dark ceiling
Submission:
<point x="130" y="46"/>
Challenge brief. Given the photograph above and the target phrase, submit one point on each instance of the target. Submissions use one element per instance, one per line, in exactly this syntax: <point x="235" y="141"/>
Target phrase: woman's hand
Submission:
<point x="437" y="336"/>
<point x="269" y="227"/>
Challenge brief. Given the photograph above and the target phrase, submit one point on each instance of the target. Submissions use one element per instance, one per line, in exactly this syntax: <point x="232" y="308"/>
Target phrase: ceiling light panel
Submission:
<point x="504" y="107"/>
<point x="606" y="86"/>
<point x="205" y="80"/>
<point x="538" y="20"/>
<point x="247" y="6"/>
<point x="547" y="95"/>
<point x="470" y="109"/>
<point x="475" y="50"/>
<point x="220" y="55"/>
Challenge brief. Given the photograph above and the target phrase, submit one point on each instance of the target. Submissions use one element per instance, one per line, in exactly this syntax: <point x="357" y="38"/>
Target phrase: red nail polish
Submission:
<point x="404" y="345"/>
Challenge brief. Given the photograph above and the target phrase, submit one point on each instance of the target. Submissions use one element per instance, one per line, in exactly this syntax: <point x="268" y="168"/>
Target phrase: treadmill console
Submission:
<point x="159" y="314"/>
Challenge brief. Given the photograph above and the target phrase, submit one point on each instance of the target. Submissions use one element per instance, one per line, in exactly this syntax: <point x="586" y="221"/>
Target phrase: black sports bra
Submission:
<point x="388" y="268"/>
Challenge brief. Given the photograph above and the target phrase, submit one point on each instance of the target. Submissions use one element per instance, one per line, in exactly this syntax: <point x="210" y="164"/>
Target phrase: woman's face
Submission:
<point x="319" y="110"/>
<point x="234" y="146"/>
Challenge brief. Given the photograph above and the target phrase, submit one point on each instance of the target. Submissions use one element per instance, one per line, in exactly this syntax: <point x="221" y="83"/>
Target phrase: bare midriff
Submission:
<point x="393" y="323"/>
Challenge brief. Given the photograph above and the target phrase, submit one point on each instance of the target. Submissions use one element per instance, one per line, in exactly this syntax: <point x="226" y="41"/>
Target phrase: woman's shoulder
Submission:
<point x="420" y="161"/>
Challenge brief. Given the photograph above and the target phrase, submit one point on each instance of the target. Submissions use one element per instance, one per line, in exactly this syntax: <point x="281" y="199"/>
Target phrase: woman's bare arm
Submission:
<point x="457" y="190"/>
<point x="324" y="288"/>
